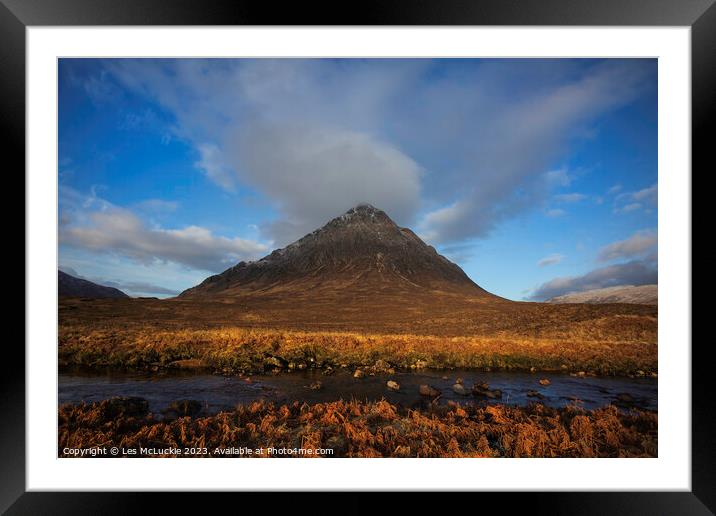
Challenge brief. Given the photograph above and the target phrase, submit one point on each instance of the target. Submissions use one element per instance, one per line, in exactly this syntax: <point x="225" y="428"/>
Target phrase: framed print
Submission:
<point x="432" y="248"/>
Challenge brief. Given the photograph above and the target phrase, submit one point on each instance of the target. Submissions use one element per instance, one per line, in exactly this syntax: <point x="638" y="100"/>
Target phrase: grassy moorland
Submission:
<point x="251" y="335"/>
<point x="379" y="429"/>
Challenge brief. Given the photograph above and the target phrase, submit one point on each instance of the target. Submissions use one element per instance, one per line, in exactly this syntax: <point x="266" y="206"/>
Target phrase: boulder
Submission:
<point x="494" y="394"/>
<point x="544" y="381"/>
<point x="480" y="387"/>
<point x="429" y="391"/>
<point x="483" y="389"/>
<point x="459" y="389"/>
<point x="358" y="374"/>
<point x="393" y="385"/>
<point x="535" y="394"/>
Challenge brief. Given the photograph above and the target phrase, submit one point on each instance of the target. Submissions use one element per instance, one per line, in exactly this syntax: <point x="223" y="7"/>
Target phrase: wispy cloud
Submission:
<point x="558" y="177"/>
<point x="158" y="206"/>
<point x="518" y="141"/>
<point x="645" y="198"/>
<point x="555" y="212"/>
<point x="570" y="197"/>
<point x="552" y="259"/>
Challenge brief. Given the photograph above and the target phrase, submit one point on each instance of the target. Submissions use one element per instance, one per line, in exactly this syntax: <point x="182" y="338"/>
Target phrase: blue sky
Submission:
<point x="537" y="176"/>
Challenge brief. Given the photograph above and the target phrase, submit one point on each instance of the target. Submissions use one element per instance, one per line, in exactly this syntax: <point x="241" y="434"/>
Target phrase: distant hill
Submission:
<point x="360" y="252"/>
<point x="69" y="286"/>
<point x="642" y="295"/>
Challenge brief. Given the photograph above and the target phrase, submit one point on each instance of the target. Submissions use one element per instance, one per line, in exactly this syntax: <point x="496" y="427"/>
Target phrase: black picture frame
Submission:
<point x="17" y="15"/>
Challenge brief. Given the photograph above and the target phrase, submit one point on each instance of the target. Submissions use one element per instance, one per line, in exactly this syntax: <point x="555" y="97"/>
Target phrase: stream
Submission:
<point x="217" y="393"/>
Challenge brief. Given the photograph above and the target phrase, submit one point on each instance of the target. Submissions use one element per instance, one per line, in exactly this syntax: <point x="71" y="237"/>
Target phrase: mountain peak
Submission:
<point x="363" y="206"/>
<point x="360" y="250"/>
<point x="364" y="212"/>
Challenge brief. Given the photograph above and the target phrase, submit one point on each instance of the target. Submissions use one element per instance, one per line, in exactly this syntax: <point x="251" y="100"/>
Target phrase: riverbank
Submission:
<point x="250" y="351"/>
<point x="358" y="429"/>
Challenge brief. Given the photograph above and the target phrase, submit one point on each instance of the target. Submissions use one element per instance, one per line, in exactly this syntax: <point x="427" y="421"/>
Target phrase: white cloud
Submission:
<point x="639" y="244"/>
<point x="115" y="230"/>
<point x="302" y="132"/>
<point x="346" y="131"/>
<point x="442" y="217"/>
<point x="212" y="165"/>
<point x="314" y="174"/>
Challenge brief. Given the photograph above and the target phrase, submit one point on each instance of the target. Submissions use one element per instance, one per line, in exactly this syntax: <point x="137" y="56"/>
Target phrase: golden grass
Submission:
<point x="378" y="429"/>
<point x="247" y="350"/>
<point x="438" y="332"/>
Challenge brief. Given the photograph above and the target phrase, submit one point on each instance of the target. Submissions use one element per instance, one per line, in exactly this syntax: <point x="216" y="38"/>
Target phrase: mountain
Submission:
<point x="360" y="252"/>
<point x="642" y="295"/>
<point x="69" y="286"/>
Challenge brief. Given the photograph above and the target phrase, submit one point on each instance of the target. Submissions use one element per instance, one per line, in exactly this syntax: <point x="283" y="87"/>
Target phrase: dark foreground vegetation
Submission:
<point x="359" y="429"/>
